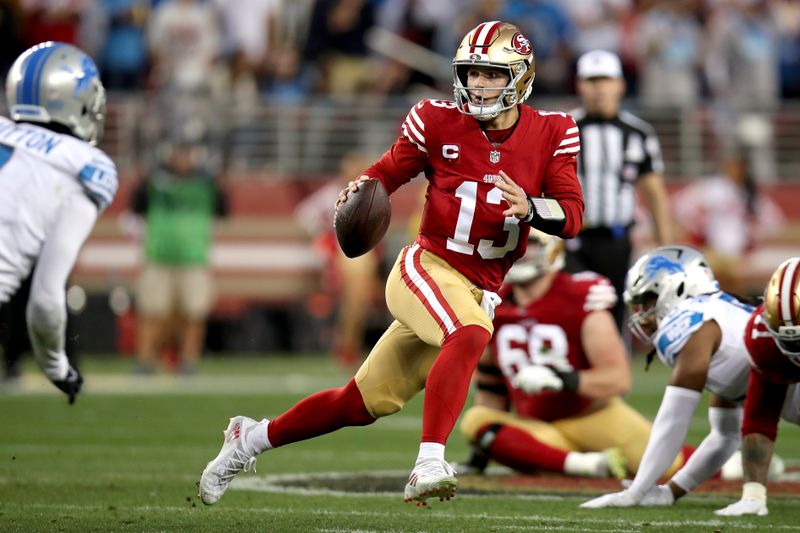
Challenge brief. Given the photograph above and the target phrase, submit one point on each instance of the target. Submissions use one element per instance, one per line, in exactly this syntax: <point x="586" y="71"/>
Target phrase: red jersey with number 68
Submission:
<point x="463" y="219"/>
<point x="547" y="332"/>
<point x="770" y="376"/>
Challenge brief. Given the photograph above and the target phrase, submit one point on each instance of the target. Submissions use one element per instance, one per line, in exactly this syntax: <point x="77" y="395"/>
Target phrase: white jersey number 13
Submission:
<point x="468" y="193"/>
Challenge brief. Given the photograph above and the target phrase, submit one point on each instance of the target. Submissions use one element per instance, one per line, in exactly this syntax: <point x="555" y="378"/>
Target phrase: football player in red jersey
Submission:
<point x="772" y="339"/>
<point x="558" y="359"/>
<point x="495" y="168"/>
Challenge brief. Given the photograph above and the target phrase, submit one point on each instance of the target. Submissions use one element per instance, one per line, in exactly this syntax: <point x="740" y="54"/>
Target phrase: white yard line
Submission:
<point x="540" y="521"/>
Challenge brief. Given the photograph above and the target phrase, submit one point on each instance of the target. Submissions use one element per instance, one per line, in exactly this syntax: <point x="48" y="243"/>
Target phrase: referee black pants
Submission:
<point x="601" y="250"/>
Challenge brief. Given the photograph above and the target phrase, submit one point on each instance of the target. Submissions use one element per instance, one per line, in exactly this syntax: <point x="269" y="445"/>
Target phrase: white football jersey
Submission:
<point x="730" y="369"/>
<point x="40" y="169"/>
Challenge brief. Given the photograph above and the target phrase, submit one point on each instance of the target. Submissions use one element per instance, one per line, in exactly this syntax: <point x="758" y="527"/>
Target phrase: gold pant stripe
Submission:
<point x="398" y="365"/>
<point x="425" y="288"/>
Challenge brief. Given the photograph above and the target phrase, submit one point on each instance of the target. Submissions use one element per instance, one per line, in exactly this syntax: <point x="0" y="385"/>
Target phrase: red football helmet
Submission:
<point x="782" y="308"/>
<point x="499" y="45"/>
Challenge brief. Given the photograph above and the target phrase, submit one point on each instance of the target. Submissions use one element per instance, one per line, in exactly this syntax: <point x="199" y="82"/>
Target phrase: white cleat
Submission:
<point x="431" y="478"/>
<point x="234" y="457"/>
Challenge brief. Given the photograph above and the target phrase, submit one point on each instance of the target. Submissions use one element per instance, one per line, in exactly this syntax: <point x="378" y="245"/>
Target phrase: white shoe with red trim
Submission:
<point x="234" y="457"/>
<point x="431" y="478"/>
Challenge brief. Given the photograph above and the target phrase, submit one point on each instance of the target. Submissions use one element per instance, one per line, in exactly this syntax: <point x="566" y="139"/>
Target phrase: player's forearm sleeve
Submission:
<point x="666" y="438"/>
<point x="716" y="448"/>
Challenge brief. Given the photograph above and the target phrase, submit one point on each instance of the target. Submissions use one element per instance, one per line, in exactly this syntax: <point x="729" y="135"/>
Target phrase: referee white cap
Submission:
<point x="599" y="64"/>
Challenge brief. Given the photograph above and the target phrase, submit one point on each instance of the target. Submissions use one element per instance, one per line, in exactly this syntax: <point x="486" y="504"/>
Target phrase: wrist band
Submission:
<point x="571" y="380"/>
<point x="529" y="216"/>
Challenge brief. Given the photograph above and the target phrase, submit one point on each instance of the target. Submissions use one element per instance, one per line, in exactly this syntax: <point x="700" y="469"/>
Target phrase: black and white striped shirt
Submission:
<point x="614" y="154"/>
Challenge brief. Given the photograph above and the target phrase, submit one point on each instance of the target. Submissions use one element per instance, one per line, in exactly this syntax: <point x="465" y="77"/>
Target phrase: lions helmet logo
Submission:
<point x="521" y="44"/>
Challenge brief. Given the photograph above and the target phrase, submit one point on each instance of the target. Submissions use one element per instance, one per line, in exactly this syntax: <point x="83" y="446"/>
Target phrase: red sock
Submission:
<point x="519" y="450"/>
<point x="319" y="414"/>
<point x="448" y="381"/>
<point x="687" y="451"/>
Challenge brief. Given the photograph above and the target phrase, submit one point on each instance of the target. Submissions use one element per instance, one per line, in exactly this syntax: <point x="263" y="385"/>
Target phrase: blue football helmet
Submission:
<point x="659" y="280"/>
<point x="58" y="83"/>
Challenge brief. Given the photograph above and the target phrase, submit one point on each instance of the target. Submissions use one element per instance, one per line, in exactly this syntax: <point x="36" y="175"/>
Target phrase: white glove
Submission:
<point x="615" y="499"/>
<point x="534" y="379"/>
<point x="489" y="301"/>
<point x="743" y="507"/>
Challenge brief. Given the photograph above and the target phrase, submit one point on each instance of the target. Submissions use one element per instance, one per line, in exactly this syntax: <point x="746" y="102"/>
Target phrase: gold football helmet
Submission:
<point x="782" y="308"/>
<point x="499" y="45"/>
<point x="545" y="254"/>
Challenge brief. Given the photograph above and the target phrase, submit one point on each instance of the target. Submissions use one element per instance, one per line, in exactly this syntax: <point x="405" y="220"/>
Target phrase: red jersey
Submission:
<point x="772" y="373"/>
<point x="463" y="219"/>
<point x="546" y="332"/>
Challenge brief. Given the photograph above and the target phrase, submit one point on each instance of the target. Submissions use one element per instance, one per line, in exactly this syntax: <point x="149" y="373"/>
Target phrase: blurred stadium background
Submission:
<point x="283" y="90"/>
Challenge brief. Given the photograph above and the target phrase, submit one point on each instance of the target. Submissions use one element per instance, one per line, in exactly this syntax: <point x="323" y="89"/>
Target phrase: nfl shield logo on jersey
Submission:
<point x="494" y="157"/>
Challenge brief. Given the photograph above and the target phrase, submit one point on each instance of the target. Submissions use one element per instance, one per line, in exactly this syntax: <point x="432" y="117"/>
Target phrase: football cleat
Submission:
<point x="431" y="478"/>
<point x="234" y="457"/>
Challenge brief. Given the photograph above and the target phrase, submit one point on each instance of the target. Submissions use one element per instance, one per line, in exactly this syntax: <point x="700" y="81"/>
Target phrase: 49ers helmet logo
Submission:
<point x="521" y="44"/>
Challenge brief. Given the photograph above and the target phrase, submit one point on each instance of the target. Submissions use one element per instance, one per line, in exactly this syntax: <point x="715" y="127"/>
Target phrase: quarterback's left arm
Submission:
<point x="558" y="211"/>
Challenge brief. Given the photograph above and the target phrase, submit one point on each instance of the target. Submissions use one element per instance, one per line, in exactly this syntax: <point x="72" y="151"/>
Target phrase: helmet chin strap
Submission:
<point x="484" y="113"/>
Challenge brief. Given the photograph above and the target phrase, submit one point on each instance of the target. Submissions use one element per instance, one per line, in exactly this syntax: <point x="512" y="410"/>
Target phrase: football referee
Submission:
<point x="620" y="154"/>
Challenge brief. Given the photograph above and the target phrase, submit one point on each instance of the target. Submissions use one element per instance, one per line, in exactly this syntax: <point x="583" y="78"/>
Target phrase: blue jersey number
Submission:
<point x="5" y="154"/>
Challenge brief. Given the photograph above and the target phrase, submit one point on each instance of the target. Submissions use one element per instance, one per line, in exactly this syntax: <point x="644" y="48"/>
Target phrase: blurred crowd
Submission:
<point x="742" y="52"/>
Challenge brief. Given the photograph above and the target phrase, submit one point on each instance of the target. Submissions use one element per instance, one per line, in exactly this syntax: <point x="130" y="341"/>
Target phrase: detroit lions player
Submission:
<point x="54" y="183"/>
<point x="696" y="329"/>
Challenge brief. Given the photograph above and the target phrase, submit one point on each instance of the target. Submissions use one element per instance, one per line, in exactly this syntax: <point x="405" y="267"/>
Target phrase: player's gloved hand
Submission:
<point x="70" y="385"/>
<point x="616" y="499"/>
<point x="657" y="496"/>
<point x="753" y="502"/>
<point x="536" y="378"/>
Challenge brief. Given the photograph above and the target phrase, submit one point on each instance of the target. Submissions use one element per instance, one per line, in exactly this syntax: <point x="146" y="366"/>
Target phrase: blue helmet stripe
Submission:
<point x="28" y="90"/>
<point x="39" y="68"/>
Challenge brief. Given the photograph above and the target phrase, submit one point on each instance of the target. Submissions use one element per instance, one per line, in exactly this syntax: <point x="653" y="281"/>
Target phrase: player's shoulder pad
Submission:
<point x="423" y="118"/>
<point x="595" y="291"/>
<point x="678" y="327"/>
<point x="98" y="176"/>
<point x="563" y="130"/>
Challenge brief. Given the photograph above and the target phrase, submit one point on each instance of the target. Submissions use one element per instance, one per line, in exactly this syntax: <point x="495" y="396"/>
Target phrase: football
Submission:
<point x="361" y="221"/>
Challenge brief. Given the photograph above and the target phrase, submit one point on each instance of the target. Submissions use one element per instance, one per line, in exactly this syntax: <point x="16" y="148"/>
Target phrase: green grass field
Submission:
<point x="127" y="456"/>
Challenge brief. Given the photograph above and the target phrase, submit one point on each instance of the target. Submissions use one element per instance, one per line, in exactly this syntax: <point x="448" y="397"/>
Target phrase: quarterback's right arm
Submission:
<point x="402" y="162"/>
<point x="409" y="154"/>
